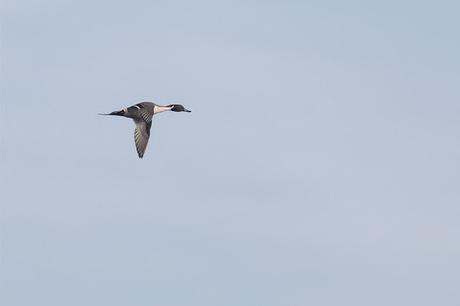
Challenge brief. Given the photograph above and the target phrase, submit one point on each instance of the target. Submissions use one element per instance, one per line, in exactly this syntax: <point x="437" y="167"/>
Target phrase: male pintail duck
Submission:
<point x="142" y="114"/>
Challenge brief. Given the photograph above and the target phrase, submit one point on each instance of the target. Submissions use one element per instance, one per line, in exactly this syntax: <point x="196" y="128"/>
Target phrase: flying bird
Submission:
<point x="142" y="114"/>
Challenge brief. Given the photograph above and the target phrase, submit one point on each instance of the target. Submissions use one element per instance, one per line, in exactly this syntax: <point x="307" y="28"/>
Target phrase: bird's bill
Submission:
<point x="186" y="110"/>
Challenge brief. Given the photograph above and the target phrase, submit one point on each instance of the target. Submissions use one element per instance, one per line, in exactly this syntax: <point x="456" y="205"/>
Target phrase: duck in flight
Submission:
<point x="142" y="114"/>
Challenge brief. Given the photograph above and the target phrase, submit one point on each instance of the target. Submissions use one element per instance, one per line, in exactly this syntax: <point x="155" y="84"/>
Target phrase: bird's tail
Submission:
<point x="115" y="113"/>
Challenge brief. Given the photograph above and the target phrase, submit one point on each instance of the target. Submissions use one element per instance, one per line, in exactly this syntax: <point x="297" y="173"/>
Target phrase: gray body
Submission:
<point x="143" y="110"/>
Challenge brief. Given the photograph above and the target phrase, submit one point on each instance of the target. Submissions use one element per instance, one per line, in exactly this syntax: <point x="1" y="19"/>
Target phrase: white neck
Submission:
<point x="158" y="109"/>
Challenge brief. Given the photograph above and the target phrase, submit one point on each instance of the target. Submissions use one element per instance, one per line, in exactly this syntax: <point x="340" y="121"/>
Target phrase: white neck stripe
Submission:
<point x="159" y="109"/>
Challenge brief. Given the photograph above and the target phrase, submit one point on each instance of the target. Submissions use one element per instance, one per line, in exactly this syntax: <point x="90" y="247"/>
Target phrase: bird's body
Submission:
<point x="142" y="114"/>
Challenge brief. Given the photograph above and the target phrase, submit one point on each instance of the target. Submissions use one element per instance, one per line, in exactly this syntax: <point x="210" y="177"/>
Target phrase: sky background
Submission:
<point x="320" y="164"/>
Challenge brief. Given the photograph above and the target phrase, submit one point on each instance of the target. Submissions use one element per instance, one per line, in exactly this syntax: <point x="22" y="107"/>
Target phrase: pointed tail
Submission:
<point x="115" y="113"/>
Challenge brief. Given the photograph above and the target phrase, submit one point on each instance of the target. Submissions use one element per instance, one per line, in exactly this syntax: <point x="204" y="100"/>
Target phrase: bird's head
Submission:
<point x="178" y="108"/>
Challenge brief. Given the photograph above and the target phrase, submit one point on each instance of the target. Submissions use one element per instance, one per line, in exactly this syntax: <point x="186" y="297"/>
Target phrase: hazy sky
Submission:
<point x="320" y="164"/>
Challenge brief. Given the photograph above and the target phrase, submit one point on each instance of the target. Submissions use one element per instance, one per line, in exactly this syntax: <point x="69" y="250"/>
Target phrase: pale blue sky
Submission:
<point x="320" y="165"/>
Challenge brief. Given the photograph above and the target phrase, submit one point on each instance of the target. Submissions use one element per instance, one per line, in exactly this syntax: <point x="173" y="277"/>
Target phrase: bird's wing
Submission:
<point x="141" y="135"/>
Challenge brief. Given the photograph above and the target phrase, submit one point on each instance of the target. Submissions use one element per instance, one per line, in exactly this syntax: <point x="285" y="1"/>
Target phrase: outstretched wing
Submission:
<point x="141" y="135"/>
